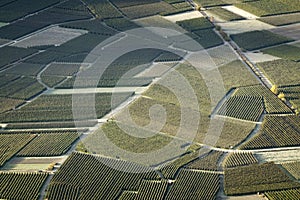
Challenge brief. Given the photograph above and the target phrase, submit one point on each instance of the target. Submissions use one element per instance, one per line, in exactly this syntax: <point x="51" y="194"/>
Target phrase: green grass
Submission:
<point x="288" y="52"/>
<point x="270" y="7"/>
<point x="258" y="39"/>
<point x="280" y="20"/>
<point x="256" y="178"/>
<point x="225" y="14"/>
<point x="281" y="72"/>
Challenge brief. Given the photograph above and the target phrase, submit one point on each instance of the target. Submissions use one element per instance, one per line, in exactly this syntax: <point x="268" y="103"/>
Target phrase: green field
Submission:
<point x="239" y="159"/>
<point x="195" y="24"/>
<point x="283" y="194"/>
<point x="254" y="40"/>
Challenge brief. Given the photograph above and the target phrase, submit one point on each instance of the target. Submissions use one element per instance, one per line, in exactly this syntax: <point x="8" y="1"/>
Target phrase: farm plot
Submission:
<point x="242" y="107"/>
<point x="280" y="20"/>
<point x="25" y="69"/>
<point x="291" y="31"/>
<point x="7" y="78"/>
<point x="224" y="15"/>
<point x="49" y="144"/>
<point x="59" y="108"/>
<point x="194" y="185"/>
<point x="110" y="182"/>
<point x="195" y="24"/>
<point x="178" y="7"/>
<point x="41" y="20"/>
<point x="23" y="88"/>
<point x="26" y="186"/>
<point x="159" y="21"/>
<point x="240" y="12"/>
<point x="281" y="72"/>
<point x="127" y="3"/>
<point x="257" y="57"/>
<point x="293" y="168"/>
<point x="256" y="178"/>
<point x="103" y="9"/>
<point x="272" y="104"/>
<point x="239" y="159"/>
<point x="183" y="16"/>
<point x="288" y="52"/>
<point x="121" y="24"/>
<point x="127" y="195"/>
<point x="52" y="81"/>
<point x="10" y="54"/>
<point x="243" y="26"/>
<point x="291" y="93"/>
<point x="276" y="131"/>
<point x="263" y="8"/>
<point x="51" y="36"/>
<point x="21" y="8"/>
<point x="61" y="69"/>
<point x="258" y="39"/>
<point x="152" y="189"/>
<point x="139" y="11"/>
<point x="156" y="70"/>
<point x="208" y="3"/>
<point x="8" y="103"/>
<point x="92" y="26"/>
<point x="209" y="162"/>
<point x="11" y="144"/>
<point x="283" y="194"/>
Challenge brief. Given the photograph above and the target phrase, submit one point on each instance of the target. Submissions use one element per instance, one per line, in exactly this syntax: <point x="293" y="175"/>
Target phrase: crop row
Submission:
<point x="112" y="176"/>
<point x="103" y="9"/>
<point x="25" y="186"/>
<point x="59" y="108"/>
<point x="293" y="168"/>
<point x="243" y="107"/>
<point x="256" y="178"/>
<point x="276" y="131"/>
<point x="50" y="144"/>
<point x="239" y="159"/>
<point x="192" y="184"/>
<point x="152" y="189"/>
<point x="10" y="144"/>
<point x="273" y="104"/>
<point x="209" y="162"/>
<point x="283" y="194"/>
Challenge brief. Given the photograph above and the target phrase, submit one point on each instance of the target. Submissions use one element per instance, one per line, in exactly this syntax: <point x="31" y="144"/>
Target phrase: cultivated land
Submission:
<point x="238" y="71"/>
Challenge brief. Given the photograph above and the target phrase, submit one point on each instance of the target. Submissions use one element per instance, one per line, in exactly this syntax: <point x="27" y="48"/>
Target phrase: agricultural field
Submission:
<point x="26" y="186"/>
<point x="51" y="36"/>
<point x="224" y="15"/>
<point x="283" y="194"/>
<point x="276" y="131"/>
<point x="49" y="144"/>
<point x="292" y="94"/>
<point x="254" y="40"/>
<point x="194" y="185"/>
<point x="290" y="31"/>
<point x="256" y="178"/>
<point x="11" y="144"/>
<point x="10" y="55"/>
<point x="209" y="162"/>
<point x="281" y="72"/>
<point x="263" y="8"/>
<point x="96" y="171"/>
<point x="242" y="107"/>
<point x="103" y="9"/>
<point x="9" y="103"/>
<point x="195" y="24"/>
<point x="152" y="189"/>
<point x="121" y="24"/>
<point x="208" y="3"/>
<point x="293" y="168"/>
<point x="25" y="69"/>
<point x="281" y="20"/>
<point x="59" y="108"/>
<point x="287" y="52"/>
<point x="239" y="159"/>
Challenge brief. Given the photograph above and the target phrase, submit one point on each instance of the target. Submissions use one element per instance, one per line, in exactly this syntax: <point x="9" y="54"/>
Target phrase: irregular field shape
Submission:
<point x="51" y="36"/>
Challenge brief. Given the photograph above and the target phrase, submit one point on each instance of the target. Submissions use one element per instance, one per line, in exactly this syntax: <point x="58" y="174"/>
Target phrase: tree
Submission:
<point x="274" y="89"/>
